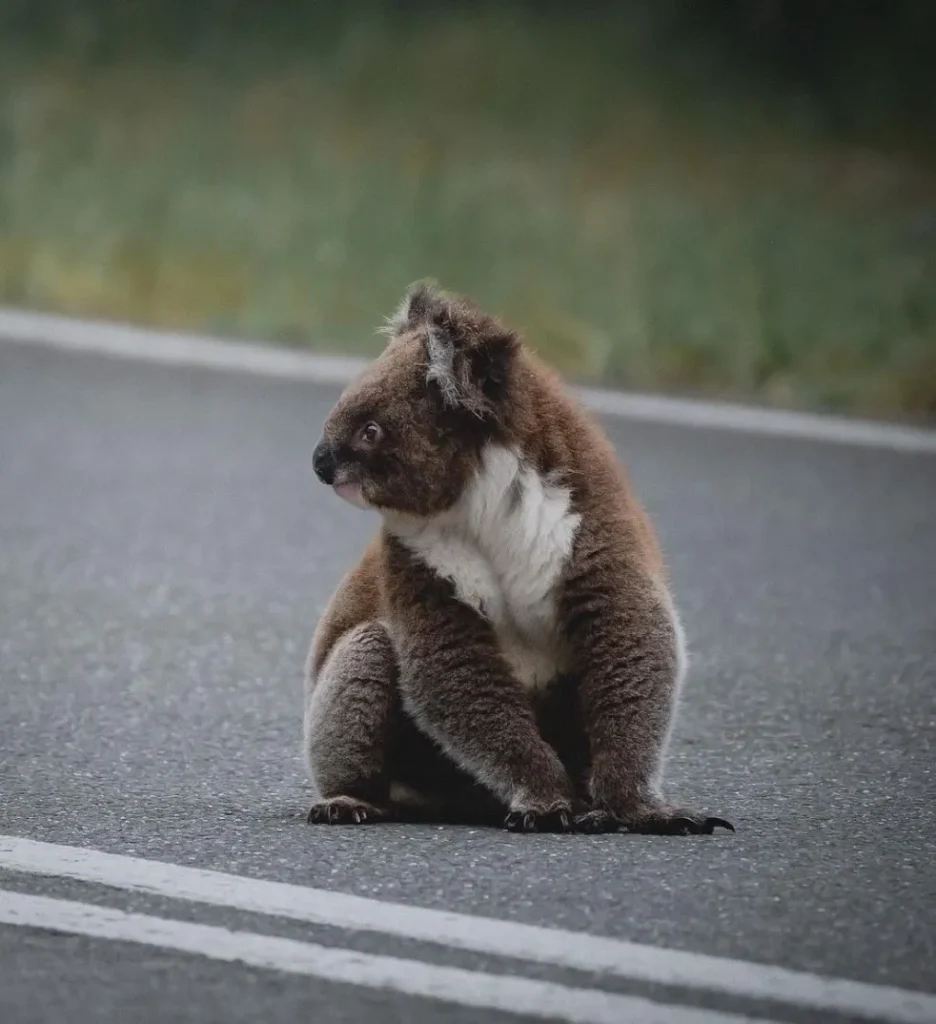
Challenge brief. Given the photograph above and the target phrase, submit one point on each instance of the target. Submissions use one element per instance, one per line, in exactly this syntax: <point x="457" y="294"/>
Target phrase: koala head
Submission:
<point x="405" y="436"/>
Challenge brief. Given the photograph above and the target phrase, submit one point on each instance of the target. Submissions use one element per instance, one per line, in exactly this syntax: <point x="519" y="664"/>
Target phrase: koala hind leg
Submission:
<point x="350" y="710"/>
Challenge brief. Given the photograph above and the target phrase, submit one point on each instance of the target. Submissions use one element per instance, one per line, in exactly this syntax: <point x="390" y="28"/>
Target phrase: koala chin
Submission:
<point x="506" y="650"/>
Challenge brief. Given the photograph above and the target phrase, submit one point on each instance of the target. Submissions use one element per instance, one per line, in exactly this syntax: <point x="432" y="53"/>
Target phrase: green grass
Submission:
<point x="653" y="228"/>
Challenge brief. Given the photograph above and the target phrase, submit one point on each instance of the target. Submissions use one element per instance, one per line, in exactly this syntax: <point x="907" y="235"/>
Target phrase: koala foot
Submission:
<point x="596" y="822"/>
<point x="345" y="810"/>
<point x="663" y="820"/>
<point x="558" y="819"/>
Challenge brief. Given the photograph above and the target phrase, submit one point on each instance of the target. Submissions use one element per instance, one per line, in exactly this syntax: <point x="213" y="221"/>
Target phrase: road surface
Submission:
<point x="164" y="553"/>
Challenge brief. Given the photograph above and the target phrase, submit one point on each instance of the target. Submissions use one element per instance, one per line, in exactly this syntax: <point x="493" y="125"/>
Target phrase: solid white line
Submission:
<point x="184" y="349"/>
<point x="772" y="422"/>
<point x="174" y="348"/>
<point x="408" y="977"/>
<point x="559" y="948"/>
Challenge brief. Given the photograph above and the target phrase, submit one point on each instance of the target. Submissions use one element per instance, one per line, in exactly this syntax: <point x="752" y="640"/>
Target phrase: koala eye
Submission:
<point x="370" y="433"/>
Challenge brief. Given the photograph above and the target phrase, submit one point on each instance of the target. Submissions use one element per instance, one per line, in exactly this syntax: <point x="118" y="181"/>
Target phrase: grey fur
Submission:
<point x="441" y="369"/>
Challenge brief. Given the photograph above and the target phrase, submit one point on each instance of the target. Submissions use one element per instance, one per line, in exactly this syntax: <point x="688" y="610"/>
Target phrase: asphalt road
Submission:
<point x="164" y="553"/>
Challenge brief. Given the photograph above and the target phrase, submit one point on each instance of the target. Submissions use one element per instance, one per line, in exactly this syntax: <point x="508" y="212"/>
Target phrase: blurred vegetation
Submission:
<point x="713" y="197"/>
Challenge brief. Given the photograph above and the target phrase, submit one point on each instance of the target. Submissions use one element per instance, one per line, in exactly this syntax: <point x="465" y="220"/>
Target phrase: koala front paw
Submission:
<point x="344" y="810"/>
<point x="556" y="819"/>
<point x="664" y="820"/>
<point x="596" y="822"/>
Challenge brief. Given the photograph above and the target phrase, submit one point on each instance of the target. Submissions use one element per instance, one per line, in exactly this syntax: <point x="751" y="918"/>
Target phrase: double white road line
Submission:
<point x="602" y="958"/>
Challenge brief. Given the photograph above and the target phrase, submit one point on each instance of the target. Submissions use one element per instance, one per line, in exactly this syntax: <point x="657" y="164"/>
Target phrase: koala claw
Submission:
<point x="559" y="820"/>
<point x="344" y="810"/>
<point x="710" y="824"/>
<point x="677" y="823"/>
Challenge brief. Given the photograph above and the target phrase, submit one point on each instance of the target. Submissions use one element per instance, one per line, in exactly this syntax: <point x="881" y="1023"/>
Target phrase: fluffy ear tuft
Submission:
<point x="468" y="353"/>
<point x="442" y="370"/>
<point x="470" y="371"/>
<point x="421" y="300"/>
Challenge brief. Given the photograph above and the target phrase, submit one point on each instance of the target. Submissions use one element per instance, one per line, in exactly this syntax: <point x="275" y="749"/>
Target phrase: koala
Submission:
<point x="507" y="649"/>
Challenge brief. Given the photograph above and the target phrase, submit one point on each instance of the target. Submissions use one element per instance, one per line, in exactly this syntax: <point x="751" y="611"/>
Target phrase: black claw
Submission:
<point x="534" y="821"/>
<point x="342" y="812"/>
<point x="518" y="821"/>
<point x="682" y="823"/>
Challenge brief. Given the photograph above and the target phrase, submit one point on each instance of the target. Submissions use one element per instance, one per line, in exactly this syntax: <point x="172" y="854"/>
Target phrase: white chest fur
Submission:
<point x="503" y="546"/>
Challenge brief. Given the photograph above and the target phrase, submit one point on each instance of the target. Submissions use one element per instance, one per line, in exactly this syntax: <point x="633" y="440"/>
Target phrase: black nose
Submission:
<point x="323" y="462"/>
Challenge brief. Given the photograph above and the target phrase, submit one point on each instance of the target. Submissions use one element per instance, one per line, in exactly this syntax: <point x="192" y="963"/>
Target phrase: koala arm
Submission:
<point x="462" y="693"/>
<point x="627" y="643"/>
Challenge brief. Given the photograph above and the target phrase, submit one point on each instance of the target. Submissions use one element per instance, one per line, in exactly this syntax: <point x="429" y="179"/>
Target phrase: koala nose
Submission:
<point x="323" y="462"/>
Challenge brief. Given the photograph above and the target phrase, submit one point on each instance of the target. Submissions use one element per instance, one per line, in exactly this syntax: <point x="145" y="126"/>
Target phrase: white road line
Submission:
<point x="174" y="348"/>
<point x="182" y="349"/>
<point x="409" y="977"/>
<point x="552" y="946"/>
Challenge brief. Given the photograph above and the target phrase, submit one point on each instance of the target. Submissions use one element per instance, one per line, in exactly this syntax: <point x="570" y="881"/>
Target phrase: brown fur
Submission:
<point x="409" y="682"/>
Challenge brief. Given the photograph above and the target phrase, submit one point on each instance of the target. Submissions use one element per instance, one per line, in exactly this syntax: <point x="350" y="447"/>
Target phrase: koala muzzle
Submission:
<point x="324" y="463"/>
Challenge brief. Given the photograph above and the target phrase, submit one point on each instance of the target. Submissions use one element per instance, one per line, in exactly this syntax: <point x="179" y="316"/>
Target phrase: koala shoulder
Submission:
<point x="567" y="441"/>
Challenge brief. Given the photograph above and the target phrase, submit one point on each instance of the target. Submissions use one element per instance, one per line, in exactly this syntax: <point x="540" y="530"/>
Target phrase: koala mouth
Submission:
<point x="351" y="492"/>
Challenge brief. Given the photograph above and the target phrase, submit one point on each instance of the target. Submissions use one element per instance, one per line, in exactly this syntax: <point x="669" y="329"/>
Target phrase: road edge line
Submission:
<point x="180" y="348"/>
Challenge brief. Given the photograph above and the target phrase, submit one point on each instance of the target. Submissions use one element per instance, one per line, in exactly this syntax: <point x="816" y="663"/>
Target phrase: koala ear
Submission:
<point x="490" y="358"/>
<point x="470" y="371"/>
<point x="420" y="303"/>
<point x="468" y="353"/>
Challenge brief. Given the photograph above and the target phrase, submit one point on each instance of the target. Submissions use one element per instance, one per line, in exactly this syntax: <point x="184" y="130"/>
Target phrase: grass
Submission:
<point x="651" y="225"/>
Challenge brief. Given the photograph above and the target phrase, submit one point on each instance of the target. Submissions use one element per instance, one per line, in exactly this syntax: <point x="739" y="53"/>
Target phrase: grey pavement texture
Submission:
<point x="164" y="553"/>
<point x="48" y="978"/>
